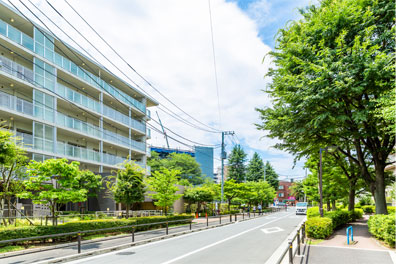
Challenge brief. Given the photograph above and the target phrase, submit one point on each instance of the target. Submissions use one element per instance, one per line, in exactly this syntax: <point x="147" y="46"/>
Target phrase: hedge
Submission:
<point x="32" y="231"/>
<point x="368" y="209"/>
<point x="318" y="227"/>
<point x="383" y="227"/>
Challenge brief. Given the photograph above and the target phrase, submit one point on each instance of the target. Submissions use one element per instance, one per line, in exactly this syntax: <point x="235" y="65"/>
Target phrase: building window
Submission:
<point x="44" y="106"/>
<point x="44" y="45"/>
<point x="281" y="195"/>
<point x="281" y="187"/>
<point x="44" y="75"/>
<point x="43" y="137"/>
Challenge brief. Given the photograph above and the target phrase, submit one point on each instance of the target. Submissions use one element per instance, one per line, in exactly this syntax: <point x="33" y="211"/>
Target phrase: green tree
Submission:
<point x="297" y="190"/>
<point x="331" y="66"/>
<point x="232" y="190"/>
<point x="271" y="176"/>
<point x="12" y="161"/>
<point x="189" y="168"/>
<point x="129" y="187"/>
<point x="255" y="169"/>
<point x="55" y="181"/>
<point x="163" y="185"/>
<point x="199" y="195"/>
<point x="236" y="163"/>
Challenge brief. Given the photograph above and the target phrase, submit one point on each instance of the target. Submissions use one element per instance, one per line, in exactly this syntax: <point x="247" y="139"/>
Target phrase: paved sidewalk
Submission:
<point x="334" y="250"/>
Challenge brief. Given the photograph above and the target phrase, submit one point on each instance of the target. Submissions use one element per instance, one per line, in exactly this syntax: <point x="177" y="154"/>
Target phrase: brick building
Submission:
<point x="283" y="194"/>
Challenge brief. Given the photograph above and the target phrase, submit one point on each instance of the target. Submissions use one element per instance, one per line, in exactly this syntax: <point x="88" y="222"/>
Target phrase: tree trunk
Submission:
<point x="351" y="198"/>
<point x="328" y="205"/>
<point x="9" y="211"/>
<point x="53" y="213"/>
<point x="127" y="211"/>
<point x="334" y="206"/>
<point x="378" y="191"/>
<point x="229" y="205"/>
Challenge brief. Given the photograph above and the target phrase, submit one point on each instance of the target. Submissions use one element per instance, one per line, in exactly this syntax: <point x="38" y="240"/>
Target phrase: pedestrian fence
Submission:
<point x="300" y="236"/>
<point x="221" y="219"/>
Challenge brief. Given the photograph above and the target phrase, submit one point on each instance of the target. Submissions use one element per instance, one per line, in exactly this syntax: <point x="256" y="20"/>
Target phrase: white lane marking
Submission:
<point x="221" y="241"/>
<point x="157" y="242"/>
<point x="272" y="230"/>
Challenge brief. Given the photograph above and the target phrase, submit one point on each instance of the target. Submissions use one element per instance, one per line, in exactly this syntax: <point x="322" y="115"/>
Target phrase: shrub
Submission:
<point x="391" y="209"/>
<point x="312" y="212"/>
<point x="368" y="209"/>
<point x="318" y="227"/>
<point x="32" y="231"/>
<point x="338" y="218"/>
<point x="383" y="227"/>
<point x="355" y="214"/>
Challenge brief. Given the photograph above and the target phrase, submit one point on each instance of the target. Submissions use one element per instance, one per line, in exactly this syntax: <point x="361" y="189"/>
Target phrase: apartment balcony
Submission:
<point x="68" y="151"/>
<point x="14" y="103"/>
<point x="66" y="93"/>
<point x="16" y="35"/>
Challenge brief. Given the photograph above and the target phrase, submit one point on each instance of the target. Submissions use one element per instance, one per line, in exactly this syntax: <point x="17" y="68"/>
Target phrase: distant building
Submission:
<point x="283" y="194"/>
<point x="203" y="155"/>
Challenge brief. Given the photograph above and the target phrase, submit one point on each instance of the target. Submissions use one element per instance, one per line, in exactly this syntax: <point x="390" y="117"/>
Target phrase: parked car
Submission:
<point x="301" y="208"/>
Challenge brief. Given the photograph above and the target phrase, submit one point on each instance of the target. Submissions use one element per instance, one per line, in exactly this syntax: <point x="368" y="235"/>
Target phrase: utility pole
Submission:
<point x="264" y="170"/>
<point x="223" y="157"/>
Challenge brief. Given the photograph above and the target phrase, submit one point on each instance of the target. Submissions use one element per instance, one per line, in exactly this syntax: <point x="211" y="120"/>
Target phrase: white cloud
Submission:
<point x="169" y="43"/>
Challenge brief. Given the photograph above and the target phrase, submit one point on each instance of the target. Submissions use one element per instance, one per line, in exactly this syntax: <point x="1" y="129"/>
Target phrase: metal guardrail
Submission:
<point x="300" y="235"/>
<point x="133" y="228"/>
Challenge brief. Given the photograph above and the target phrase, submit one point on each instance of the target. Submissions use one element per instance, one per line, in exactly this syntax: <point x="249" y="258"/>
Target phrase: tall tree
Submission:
<point x="271" y="176"/>
<point x="12" y="161"/>
<point x="187" y="166"/>
<point x="56" y="181"/>
<point x="129" y="187"/>
<point x="255" y="170"/>
<point x="331" y="66"/>
<point x="163" y="186"/>
<point x="236" y="163"/>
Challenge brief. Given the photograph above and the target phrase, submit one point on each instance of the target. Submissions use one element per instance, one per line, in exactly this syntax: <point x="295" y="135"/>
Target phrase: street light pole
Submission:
<point x="223" y="157"/>
<point x="320" y="183"/>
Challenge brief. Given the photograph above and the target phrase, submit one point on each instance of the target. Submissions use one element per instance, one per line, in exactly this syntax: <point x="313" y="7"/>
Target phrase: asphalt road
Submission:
<point x="252" y="241"/>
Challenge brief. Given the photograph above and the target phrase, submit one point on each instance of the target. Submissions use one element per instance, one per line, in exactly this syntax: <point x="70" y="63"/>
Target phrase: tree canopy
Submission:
<point x="255" y="169"/>
<point x="236" y="164"/>
<point x="332" y="67"/>
<point x="271" y="176"/>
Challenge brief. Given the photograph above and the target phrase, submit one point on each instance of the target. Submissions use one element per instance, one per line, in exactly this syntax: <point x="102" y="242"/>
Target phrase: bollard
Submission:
<point x="230" y="218"/>
<point x="254" y="214"/>
<point x="298" y="243"/>
<point x="207" y="220"/>
<point x="167" y="227"/>
<point x="133" y="234"/>
<point x="243" y="216"/>
<point x="303" y="233"/>
<point x="190" y="225"/>
<point x="46" y="220"/>
<point x="235" y="217"/>
<point x="290" y="251"/>
<point x="79" y="243"/>
<point x="220" y="219"/>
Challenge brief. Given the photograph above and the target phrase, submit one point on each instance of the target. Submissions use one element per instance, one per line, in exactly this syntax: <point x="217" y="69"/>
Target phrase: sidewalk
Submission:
<point x="364" y="250"/>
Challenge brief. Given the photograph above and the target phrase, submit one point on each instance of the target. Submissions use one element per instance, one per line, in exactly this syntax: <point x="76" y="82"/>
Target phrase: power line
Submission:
<point x="149" y="83"/>
<point x="214" y="62"/>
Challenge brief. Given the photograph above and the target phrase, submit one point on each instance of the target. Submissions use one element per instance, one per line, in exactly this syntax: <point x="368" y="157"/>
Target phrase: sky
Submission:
<point x="169" y="43"/>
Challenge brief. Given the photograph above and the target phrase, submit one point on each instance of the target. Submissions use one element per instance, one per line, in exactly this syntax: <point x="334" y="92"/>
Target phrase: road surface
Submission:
<point x="252" y="241"/>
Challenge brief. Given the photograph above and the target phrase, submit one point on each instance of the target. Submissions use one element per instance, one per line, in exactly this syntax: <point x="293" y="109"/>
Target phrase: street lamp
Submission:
<point x="327" y="149"/>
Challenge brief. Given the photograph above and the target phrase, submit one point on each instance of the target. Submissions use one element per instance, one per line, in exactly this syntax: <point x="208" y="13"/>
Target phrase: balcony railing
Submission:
<point x="16" y="69"/>
<point x="28" y="42"/>
<point x="16" y="35"/>
<point x="17" y="104"/>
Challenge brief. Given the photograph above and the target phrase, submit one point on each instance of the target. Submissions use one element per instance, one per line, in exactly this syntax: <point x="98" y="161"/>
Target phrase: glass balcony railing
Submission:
<point x="16" y="35"/>
<point x="14" y="103"/>
<point x="28" y="42"/>
<point x="16" y="69"/>
<point x="76" y="124"/>
<point x="26" y="74"/>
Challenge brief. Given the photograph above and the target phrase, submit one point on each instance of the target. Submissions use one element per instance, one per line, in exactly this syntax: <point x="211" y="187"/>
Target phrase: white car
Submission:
<point x="301" y="208"/>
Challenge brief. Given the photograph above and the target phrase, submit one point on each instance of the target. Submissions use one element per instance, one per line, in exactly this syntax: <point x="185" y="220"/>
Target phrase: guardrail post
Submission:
<point x="190" y="224"/>
<point x="207" y="220"/>
<point x="41" y="220"/>
<point x="220" y="219"/>
<point x="243" y="215"/>
<point x="230" y="218"/>
<point x="235" y="217"/>
<point x="298" y="242"/>
<point x="303" y="233"/>
<point x="290" y="251"/>
<point x="79" y="243"/>
<point x="133" y="234"/>
<point x="167" y="231"/>
<point x="254" y="214"/>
